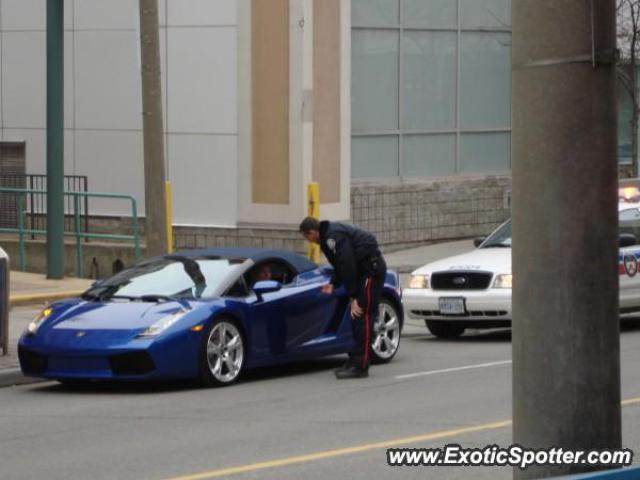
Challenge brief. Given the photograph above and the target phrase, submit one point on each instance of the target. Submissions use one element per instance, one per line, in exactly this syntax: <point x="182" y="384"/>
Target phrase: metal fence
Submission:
<point x="36" y="207"/>
<point x="76" y="231"/>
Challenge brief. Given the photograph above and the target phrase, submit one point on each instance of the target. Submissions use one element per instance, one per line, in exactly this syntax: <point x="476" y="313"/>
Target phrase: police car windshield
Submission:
<point x="500" y="238"/>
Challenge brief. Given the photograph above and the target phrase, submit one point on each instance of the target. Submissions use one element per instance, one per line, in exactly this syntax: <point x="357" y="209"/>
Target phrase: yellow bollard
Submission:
<point x="313" y="192"/>
<point x="167" y="206"/>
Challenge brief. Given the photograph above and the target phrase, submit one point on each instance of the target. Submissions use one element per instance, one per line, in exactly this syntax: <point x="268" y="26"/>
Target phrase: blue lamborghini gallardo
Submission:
<point x="203" y="314"/>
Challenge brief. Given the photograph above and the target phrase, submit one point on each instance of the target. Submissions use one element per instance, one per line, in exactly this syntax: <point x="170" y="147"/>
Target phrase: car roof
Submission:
<point x="298" y="262"/>
<point x="627" y="206"/>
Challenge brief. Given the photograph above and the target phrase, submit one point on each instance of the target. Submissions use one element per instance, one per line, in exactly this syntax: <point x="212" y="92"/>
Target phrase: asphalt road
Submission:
<point x="434" y="390"/>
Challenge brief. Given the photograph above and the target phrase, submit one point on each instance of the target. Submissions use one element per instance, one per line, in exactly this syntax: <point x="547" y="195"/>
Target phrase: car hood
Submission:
<point x="497" y="260"/>
<point x="113" y="315"/>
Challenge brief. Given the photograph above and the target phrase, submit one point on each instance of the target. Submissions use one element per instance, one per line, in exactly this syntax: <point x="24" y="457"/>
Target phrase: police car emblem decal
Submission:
<point x="331" y="243"/>
<point x="630" y="265"/>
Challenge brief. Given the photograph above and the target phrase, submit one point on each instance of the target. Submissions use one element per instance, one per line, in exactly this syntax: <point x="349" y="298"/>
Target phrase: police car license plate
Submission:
<point x="451" y="305"/>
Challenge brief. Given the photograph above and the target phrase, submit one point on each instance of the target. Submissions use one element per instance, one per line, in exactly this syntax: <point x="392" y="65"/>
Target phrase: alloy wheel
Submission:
<point x="225" y="352"/>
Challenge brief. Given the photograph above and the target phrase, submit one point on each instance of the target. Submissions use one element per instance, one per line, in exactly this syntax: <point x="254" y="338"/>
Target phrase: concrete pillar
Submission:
<point x="566" y="352"/>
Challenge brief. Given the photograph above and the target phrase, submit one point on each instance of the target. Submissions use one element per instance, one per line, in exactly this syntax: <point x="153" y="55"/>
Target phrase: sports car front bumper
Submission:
<point x="139" y="359"/>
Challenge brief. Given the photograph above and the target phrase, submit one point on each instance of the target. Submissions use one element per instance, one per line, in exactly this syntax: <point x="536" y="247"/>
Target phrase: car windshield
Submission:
<point x="500" y="237"/>
<point x="628" y="219"/>
<point x="168" y="278"/>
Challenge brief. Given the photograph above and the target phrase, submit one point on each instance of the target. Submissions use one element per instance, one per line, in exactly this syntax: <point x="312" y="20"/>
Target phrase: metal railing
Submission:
<point x="78" y="233"/>
<point x="37" y="204"/>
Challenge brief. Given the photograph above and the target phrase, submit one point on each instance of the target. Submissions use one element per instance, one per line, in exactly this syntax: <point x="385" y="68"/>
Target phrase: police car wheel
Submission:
<point x="444" y="329"/>
<point x="222" y="353"/>
<point x="385" y="334"/>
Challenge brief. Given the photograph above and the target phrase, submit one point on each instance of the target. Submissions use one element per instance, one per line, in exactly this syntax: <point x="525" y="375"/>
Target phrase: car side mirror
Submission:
<point x="478" y="241"/>
<point x="266" y="286"/>
<point x="627" y="240"/>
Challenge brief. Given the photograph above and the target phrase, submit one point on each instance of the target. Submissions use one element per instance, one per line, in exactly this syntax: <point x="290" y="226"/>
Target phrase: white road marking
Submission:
<point x="455" y="369"/>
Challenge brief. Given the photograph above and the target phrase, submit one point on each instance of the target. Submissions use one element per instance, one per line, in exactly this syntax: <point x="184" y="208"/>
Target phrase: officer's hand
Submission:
<point x="327" y="289"/>
<point x="356" y="310"/>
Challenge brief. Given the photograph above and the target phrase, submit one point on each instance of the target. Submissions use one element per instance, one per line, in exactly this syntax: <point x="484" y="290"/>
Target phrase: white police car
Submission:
<point x="473" y="290"/>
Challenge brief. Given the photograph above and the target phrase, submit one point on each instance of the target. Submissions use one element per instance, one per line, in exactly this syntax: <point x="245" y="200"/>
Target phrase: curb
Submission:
<point x="13" y="376"/>
<point x="35" y="298"/>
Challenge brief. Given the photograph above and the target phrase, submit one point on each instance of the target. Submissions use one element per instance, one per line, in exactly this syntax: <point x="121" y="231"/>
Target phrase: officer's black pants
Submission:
<point x="370" y="282"/>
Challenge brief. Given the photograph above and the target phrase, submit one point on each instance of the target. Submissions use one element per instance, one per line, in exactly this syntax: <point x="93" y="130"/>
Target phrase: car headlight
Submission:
<point x="419" y="281"/>
<point x="503" y="281"/>
<point x="163" y="324"/>
<point x="33" y="326"/>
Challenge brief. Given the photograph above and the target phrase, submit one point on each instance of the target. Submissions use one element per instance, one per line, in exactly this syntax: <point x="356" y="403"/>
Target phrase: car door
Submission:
<point x="313" y="318"/>
<point x="298" y="318"/>
<point x="267" y="315"/>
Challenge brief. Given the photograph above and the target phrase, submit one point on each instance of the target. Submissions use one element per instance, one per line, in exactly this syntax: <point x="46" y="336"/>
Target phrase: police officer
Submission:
<point x="360" y="268"/>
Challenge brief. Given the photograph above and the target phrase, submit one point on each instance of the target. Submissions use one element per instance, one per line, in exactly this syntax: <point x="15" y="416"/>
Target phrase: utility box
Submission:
<point x="4" y="302"/>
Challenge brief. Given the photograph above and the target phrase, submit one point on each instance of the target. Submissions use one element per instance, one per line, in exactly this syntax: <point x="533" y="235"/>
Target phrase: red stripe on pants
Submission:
<point x="367" y="327"/>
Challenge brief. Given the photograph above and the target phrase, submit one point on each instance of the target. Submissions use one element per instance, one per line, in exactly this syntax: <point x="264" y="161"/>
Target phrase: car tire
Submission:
<point x="385" y="333"/>
<point x="444" y="329"/>
<point x="222" y="353"/>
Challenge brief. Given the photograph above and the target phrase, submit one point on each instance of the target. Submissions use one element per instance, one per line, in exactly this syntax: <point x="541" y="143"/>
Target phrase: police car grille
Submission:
<point x="461" y="280"/>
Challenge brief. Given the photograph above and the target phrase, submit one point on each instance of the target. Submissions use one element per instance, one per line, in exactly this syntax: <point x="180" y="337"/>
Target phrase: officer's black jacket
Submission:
<point x="348" y="249"/>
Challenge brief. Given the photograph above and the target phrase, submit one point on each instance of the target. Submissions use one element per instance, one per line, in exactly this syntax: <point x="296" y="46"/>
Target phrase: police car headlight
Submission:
<point x="163" y="324"/>
<point x="503" y="281"/>
<point x="419" y="281"/>
<point x="33" y="326"/>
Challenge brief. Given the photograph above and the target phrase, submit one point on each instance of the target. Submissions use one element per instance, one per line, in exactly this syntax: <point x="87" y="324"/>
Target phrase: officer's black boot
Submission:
<point x="345" y="366"/>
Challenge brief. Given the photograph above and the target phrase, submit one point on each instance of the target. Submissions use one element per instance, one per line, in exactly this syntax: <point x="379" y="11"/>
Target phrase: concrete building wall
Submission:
<point x="240" y="147"/>
<point x="103" y="120"/>
<point x="270" y="76"/>
<point x="399" y="214"/>
<point x="327" y="122"/>
<point x="412" y="213"/>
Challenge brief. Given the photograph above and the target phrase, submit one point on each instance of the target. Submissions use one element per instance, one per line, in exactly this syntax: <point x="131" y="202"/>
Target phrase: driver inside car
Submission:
<point x="262" y="273"/>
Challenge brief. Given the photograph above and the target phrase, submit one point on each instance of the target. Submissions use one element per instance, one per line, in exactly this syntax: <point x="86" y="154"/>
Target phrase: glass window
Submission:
<point x="374" y="80"/>
<point x="501" y="237"/>
<point x="374" y="156"/>
<point x="485" y="13"/>
<point x="375" y="12"/>
<point x="485" y="80"/>
<point x="430" y="87"/>
<point x="429" y="65"/>
<point x="429" y="13"/>
<point x="629" y="222"/>
<point x="624" y="126"/>
<point x="429" y="155"/>
<point x="485" y="152"/>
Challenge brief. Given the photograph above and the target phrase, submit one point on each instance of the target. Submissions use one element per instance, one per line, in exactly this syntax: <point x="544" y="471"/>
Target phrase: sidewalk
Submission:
<point x="405" y="261"/>
<point x="33" y="288"/>
<point x="29" y="291"/>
